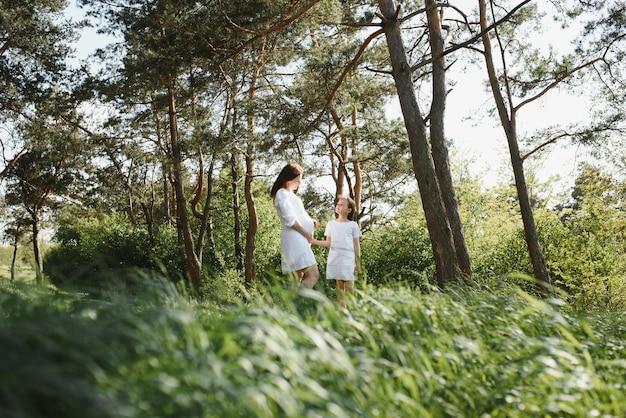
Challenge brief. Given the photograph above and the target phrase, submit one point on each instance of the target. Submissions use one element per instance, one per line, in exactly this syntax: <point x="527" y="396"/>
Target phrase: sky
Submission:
<point x="475" y="136"/>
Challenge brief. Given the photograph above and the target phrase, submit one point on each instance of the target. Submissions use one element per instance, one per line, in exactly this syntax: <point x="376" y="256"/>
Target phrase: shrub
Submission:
<point x="401" y="253"/>
<point x="90" y="250"/>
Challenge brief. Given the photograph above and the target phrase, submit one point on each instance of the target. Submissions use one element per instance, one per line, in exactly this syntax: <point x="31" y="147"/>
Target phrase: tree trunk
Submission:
<point x="446" y="262"/>
<point x="356" y="167"/>
<point x="167" y="184"/>
<point x="341" y="153"/>
<point x="253" y="222"/>
<point x="194" y="265"/>
<point x="208" y="205"/>
<point x="206" y="225"/>
<point x="37" y="249"/>
<point x="540" y="269"/>
<point x="234" y="174"/>
<point x="438" y="138"/>
<point x="14" y="257"/>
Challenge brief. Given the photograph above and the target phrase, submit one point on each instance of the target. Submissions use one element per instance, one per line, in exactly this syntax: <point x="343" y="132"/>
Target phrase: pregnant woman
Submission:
<point x="297" y="258"/>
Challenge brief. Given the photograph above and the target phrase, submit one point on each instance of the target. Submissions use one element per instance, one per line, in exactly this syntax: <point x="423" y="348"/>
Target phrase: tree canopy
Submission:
<point x="194" y="106"/>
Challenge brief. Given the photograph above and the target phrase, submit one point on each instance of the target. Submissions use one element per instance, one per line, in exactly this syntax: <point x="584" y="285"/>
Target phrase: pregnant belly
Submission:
<point x="307" y="223"/>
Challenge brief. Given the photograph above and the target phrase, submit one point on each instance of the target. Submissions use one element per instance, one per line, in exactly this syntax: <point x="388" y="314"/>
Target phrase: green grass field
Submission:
<point x="396" y="353"/>
<point x="23" y="273"/>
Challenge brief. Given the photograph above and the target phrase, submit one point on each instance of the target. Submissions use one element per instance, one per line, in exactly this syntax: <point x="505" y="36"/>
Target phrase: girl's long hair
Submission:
<point x="351" y="205"/>
<point x="289" y="172"/>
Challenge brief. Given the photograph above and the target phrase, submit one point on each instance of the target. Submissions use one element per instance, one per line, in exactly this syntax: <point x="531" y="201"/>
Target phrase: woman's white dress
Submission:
<point x="341" y="257"/>
<point x="296" y="252"/>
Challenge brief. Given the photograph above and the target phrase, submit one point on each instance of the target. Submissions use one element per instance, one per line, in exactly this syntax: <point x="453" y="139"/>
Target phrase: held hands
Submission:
<point x="309" y="235"/>
<point x="306" y="234"/>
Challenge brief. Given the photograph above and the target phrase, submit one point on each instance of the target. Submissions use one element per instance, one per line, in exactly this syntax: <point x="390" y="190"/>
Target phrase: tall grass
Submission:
<point x="396" y="353"/>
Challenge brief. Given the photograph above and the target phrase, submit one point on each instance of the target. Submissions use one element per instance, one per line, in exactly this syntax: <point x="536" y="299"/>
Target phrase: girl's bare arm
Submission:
<point x="357" y="255"/>
<point x="324" y="243"/>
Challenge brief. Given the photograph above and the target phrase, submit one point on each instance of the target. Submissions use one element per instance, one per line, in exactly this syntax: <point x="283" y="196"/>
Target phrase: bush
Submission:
<point x="401" y="253"/>
<point x="89" y="252"/>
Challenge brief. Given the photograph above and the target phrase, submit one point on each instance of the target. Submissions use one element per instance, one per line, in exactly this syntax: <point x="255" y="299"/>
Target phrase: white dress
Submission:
<point x="341" y="257"/>
<point x="296" y="252"/>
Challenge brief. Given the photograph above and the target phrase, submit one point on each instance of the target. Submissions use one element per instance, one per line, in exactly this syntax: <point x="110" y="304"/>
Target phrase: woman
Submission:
<point x="297" y="258"/>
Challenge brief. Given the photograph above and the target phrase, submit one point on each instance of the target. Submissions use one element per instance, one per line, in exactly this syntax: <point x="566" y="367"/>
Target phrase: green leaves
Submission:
<point x="465" y="353"/>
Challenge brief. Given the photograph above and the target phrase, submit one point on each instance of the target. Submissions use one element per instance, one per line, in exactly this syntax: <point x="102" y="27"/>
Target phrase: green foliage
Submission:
<point x="587" y="268"/>
<point x="267" y="240"/>
<point x="35" y="46"/>
<point x="401" y="250"/>
<point x="398" y="253"/>
<point x="89" y="250"/>
<point x="492" y="352"/>
<point x="588" y="254"/>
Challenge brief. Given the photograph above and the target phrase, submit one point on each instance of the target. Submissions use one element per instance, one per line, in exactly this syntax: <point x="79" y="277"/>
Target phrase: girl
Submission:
<point x="297" y="258"/>
<point x="344" y="256"/>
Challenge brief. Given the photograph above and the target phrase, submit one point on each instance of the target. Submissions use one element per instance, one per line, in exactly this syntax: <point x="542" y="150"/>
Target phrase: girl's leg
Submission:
<point x="349" y="286"/>
<point x="341" y="292"/>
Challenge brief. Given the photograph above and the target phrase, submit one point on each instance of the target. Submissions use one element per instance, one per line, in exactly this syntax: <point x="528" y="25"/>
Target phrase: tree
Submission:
<point x="364" y="153"/>
<point x="35" y="99"/>
<point x="33" y="52"/>
<point x="508" y="123"/>
<point x="16" y="231"/>
<point x="531" y="81"/>
<point x="446" y="260"/>
<point x="184" y="59"/>
<point x="434" y="15"/>
<point x="49" y="169"/>
<point x="165" y="45"/>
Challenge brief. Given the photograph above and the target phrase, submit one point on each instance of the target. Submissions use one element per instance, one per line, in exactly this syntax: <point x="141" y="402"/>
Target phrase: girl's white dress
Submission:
<point x="341" y="258"/>
<point x="296" y="252"/>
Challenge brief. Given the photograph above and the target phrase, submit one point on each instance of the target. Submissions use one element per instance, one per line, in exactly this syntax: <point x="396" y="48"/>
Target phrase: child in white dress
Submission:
<point x="344" y="257"/>
<point x="297" y="258"/>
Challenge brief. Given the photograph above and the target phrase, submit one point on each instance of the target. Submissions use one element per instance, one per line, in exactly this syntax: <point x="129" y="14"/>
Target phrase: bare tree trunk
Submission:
<point x="341" y="153"/>
<point x="194" y="265"/>
<point x="356" y="167"/>
<point x="253" y="222"/>
<point x="14" y="257"/>
<point x="206" y="223"/>
<point x="438" y="139"/>
<point x="148" y="214"/>
<point x="234" y="173"/>
<point x="446" y="262"/>
<point x="167" y="184"/>
<point x="37" y="249"/>
<point x="208" y="205"/>
<point x="540" y="268"/>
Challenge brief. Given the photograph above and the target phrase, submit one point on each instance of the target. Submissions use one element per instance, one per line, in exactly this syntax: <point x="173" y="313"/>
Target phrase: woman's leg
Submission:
<point x="296" y="278"/>
<point x="309" y="276"/>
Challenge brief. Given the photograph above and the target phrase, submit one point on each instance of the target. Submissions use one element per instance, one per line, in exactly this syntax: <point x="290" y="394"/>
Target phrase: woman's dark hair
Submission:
<point x="289" y="172"/>
<point x="351" y="205"/>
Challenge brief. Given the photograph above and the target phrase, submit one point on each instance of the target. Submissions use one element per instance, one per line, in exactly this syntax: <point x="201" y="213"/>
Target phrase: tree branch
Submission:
<point x="473" y="39"/>
<point x="275" y="28"/>
<point x="341" y="78"/>
<point x="562" y="76"/>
